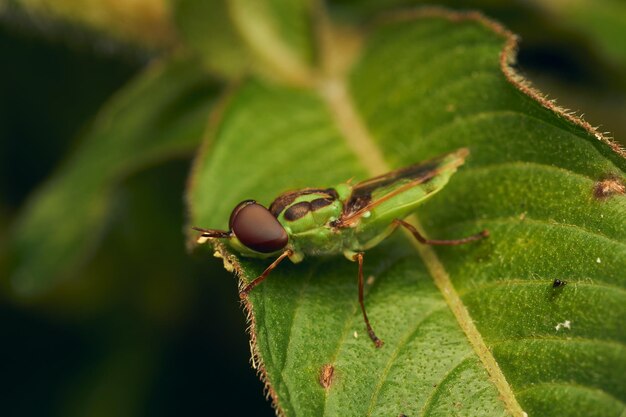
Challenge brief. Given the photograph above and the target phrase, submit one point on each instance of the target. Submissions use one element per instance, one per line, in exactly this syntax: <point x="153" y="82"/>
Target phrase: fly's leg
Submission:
<point x="244" y="293"/>
<point x="359" y="258"/>
<point x="451" y="242"/>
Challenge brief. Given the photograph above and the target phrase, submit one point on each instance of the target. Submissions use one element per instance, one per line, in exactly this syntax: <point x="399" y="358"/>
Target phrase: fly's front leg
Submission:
<point x="244" y="293"/>
<point x="451" y="242"/>
<point x="359" y="258"/>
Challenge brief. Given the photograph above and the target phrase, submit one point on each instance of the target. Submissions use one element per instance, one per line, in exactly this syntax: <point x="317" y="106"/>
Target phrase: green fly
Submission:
<point x="348" y="219"/>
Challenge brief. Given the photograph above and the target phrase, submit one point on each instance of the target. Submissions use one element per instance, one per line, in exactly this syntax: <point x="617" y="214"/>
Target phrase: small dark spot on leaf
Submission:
<point x="554" y="291"/>
<point x="608" y="187"/>
<point x="326" y="375"/>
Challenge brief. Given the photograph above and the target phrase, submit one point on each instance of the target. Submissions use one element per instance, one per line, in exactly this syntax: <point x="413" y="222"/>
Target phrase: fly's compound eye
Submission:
<point x="257" y="228"/>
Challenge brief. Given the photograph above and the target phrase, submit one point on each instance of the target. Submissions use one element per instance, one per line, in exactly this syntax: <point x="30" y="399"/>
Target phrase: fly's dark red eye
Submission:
<point x="257" y="228"/>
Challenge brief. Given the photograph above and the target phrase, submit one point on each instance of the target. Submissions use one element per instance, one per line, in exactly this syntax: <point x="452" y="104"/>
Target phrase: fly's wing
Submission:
<point x="380" y="200"/>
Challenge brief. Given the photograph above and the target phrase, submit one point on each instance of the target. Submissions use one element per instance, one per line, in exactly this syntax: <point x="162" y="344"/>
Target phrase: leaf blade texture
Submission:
<point x="463" y="326"/>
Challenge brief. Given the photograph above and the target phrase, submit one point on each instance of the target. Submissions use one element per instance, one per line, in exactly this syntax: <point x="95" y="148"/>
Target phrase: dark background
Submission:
<point x="144" y="329"/>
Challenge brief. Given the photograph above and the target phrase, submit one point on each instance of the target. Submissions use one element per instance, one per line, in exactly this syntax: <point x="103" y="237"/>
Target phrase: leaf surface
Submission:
<point x="160" y="115"/>
<point x="468" y="330"/>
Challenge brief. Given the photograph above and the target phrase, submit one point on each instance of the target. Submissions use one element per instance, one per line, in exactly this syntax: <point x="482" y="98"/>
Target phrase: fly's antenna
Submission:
<point x="206" y="234"/>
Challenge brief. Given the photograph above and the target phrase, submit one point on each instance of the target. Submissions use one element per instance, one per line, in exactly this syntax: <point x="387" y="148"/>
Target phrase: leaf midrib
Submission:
<point x="361" y="142"/>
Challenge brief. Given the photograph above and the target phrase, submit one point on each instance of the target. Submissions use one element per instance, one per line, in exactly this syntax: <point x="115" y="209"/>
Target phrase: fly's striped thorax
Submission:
<point x="307" y="209"/>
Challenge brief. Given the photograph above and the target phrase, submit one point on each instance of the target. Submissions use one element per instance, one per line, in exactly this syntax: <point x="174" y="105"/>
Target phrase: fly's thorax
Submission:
<point x="305" y="210"/>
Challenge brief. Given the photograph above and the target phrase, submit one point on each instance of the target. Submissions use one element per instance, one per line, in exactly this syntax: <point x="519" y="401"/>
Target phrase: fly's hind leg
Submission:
<point x="451" y="242"/>
<point x="244" y="293"/>
<point x="359" y="258"/>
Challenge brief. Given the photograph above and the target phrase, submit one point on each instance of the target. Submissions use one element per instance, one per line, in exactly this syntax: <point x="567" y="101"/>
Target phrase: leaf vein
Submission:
<point x="430" y="135"/>
<point x="569" y="339"/>
<point x="537" y="282"/>
<point x="347" y="327"/>
<point x="438" y="385"/>
<point x="573" y="385"/>
<point x="528" y="164"/>
<point x="549" y="223"/>
<point x="403" y="341"/>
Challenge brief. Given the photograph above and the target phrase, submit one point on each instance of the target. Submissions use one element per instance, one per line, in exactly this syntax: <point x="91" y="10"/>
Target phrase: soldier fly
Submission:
<point x="348" y="219"/>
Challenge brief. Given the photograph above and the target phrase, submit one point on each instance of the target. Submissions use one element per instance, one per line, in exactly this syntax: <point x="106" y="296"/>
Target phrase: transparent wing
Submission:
<point x="396" y="193"/>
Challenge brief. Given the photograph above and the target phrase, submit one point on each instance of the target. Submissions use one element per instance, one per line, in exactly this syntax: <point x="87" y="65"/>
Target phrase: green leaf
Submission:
<point x="468" y="330"/>
<point x="269" y="37"/>
<point x="161" y="115"/>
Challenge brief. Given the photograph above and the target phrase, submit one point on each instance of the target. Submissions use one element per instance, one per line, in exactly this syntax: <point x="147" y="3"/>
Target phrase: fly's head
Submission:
<point x="254" y="231"/>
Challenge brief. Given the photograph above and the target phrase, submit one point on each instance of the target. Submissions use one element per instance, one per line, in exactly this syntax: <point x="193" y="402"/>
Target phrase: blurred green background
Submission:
<point x="143" y="328"/>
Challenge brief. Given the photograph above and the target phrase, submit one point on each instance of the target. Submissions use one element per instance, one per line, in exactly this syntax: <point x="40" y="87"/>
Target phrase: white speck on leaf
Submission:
<point x="367" y="214"/>
<point x="599" y="260"/>
<point x="355" y="334"/>
<point x="566" y="325"/>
